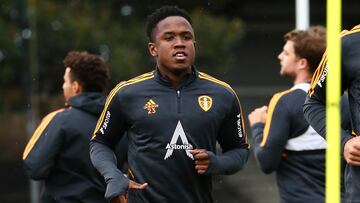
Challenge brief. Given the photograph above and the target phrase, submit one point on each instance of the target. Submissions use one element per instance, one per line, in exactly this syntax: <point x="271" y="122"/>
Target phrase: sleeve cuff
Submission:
<point x="117" y="185"/>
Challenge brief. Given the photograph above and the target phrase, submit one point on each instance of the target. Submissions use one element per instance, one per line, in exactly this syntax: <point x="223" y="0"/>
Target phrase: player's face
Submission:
<point x="174" y="45"/>
<point x="288" y="60"/>
<point x="68" y="88"/>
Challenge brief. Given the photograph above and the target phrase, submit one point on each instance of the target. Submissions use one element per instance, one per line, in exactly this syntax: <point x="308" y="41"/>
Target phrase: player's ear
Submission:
<point x="303" y="63"/>
<point x="76" y="87"/>
<point x="152" y="49"/>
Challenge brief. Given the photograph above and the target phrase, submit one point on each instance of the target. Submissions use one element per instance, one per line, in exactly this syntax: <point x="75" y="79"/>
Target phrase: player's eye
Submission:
<point x="169" y="37"/>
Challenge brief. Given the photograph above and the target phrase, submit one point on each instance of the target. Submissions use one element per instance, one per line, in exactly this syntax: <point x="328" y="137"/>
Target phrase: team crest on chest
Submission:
<point x="151" y="106"/>
<point x="205" y="102"/>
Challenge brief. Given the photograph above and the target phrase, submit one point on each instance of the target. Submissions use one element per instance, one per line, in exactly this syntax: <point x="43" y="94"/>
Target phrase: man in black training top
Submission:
<point x="58" y="151"/>
<point x="283" y="140"/>
<point x="173" y="117"/>
<point x="314" y="107"/>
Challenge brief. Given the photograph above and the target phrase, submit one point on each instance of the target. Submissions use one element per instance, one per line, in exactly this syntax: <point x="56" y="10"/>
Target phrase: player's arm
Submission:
<point x="41" y="151"/>
<point x="270" y="136"/>
<point x="314" y="107"/>
<point x="315" y="111"/>
<point x="233" y="141"/>
<point x="109" y="130"/>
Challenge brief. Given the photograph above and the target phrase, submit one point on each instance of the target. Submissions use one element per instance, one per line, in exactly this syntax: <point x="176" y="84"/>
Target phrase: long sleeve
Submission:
<point x="109" y="130"/>
<point x="233" y="141"/>
<point x="269" y="140"/>
<point x="41" y="151"/>
<point x="228" y="162"/>
<point x="104" y="160"/>
<point x="314" y="107"/>
<point x="315" y="114"/>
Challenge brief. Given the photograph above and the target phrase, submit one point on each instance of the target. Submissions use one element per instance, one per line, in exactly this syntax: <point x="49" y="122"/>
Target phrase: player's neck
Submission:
<point x="174" y="77"/>
<point x="301" y="78"/>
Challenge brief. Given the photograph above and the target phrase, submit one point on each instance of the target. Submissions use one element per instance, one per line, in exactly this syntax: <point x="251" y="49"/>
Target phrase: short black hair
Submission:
<point x="88" y="69"/>
<point x="162" y="13"/>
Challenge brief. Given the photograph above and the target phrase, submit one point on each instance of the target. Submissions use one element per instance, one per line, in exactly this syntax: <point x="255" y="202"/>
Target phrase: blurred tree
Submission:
<point x="113" y="29"/>
<point x="14" y="35"/>
<point x="216" y="38"/>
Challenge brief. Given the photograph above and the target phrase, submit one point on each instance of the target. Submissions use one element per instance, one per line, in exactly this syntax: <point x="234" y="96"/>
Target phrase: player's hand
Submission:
<point x="202" y="160"/>
<point x="258" y="116"/>
<point x="132" y="185"/>
<point x="352" y="151"/>
<point x="138" y="186"/>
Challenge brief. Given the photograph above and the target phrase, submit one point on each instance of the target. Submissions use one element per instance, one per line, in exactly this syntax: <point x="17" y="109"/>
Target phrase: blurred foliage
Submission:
<point x="216" y="38"/>
<point x="113" y="29"/>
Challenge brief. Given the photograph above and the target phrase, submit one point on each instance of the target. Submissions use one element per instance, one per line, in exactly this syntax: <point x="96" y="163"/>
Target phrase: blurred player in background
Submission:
<point x="283" y="141"/>
<point x="58" y="151"/>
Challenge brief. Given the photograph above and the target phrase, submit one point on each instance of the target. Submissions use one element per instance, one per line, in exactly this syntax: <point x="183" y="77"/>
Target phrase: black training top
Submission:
<point x="288" y="145"/>
<point x="162" y="124"/>
<point x="314" y="107"/>
<point x="58" y="152"/>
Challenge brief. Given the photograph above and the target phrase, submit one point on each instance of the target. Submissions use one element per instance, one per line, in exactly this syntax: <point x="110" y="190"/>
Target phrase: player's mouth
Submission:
<point x="180" y="55"/>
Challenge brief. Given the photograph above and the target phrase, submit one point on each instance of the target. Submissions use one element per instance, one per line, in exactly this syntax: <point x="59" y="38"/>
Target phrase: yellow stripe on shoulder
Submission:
<point x="145" y="75"/>
<point x="212" y="79"/>
<point x="274" y="100"/>
<point x="39" y="130"/>
<point x="122" y="84"/>
<point x="355" y="29"/>
<point x="321" y="67"/>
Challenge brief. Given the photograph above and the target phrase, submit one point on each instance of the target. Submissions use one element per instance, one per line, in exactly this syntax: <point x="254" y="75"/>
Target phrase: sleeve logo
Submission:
<point x="323" y="76"/>
<point x="205" y="102"/>
<point x="106" y="121"/>
<point x="238" y="124"/>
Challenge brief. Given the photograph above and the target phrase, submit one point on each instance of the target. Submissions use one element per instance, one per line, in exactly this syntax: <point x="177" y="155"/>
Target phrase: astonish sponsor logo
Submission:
<point x="171" y="146"/>
<point x="106" y="121"/>
<point x="178" y="146"/>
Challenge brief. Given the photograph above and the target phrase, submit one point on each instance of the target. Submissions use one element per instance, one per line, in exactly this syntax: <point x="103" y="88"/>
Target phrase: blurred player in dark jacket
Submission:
<point x="283" y="140"/>
<point x="58" y="151"/>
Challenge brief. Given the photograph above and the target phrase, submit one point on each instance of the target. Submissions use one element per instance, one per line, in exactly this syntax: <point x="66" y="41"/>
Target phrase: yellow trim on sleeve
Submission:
<point x="318" y="73"/>
<point x="39" y="130"/>
<point x="274" y="100"/>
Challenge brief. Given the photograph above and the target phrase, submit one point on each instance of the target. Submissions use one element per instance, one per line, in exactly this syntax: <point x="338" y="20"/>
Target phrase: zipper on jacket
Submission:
<point x="178" y="100"/>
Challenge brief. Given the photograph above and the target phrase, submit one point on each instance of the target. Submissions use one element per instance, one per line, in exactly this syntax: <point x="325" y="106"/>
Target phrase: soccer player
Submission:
<point x="173" y="117"/>
<point x="314" y="107"/>
<point x="283" y="140"/>
<point x="58" y="151"/>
